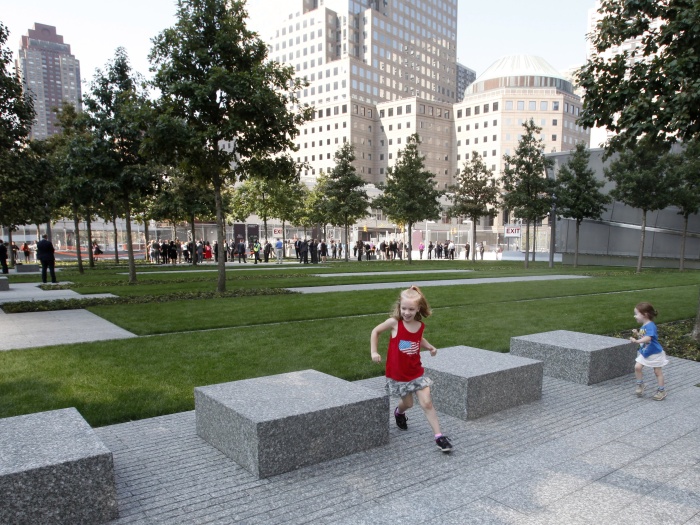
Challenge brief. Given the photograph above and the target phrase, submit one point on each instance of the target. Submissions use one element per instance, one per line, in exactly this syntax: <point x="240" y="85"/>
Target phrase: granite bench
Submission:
<point x="275" y="424"/>
<point x="54" y="469"/>
<point x="471" y="382"/>
<point x="27" y="268"/>
<point x="4" y="284"/>
<point x="577" y="357"/>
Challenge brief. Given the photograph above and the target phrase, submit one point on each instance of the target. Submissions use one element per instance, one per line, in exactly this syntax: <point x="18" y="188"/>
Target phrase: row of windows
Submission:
<point x="477" y="110"/>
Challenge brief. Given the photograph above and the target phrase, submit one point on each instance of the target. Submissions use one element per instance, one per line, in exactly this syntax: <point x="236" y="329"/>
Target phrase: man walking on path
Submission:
<point x="45" y="254"/>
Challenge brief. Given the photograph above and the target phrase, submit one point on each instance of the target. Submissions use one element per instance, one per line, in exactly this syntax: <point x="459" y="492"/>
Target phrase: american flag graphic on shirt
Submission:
<point x="409" y="347"/>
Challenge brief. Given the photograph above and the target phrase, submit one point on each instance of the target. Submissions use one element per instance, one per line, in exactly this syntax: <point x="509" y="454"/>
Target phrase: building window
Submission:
<point x="544" y="105"/>
<point x="468" y="112"/>
<point x="459" y="113"/>
<point x="486" y="108"/>
<point x="555" y="106"/>
<point x="521" y="105"/>
<point x="532" y="105"/>
<point x="509" y="104"/>
<point x="554" y="137"/>
<point x="495" y="106"/>
<point x="408" y="108"/>
<point x="477" y="109"/>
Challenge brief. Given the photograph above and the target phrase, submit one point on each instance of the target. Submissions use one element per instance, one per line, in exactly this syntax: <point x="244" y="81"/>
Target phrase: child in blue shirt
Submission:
<point x="650" y="352"/>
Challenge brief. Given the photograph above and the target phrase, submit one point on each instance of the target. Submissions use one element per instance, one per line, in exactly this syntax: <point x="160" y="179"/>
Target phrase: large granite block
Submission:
<point x="578" y="357"/>
<point x="471" y="383"/>
<point x="54" y="469"/>
<point x="4" y="284"/>
<point x="274" y="424"/>
<point x="28" y="268"/>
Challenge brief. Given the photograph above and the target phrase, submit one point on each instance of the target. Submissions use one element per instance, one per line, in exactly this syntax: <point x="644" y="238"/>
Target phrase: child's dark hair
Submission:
<point x="647" y="310"/>
<point x="412" y="294"/>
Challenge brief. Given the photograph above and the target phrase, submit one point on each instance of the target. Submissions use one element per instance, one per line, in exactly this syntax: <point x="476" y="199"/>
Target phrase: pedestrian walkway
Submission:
<point x="35" y="329"/>
<point x="422" y="284"/>
<point x="581" y="455"/>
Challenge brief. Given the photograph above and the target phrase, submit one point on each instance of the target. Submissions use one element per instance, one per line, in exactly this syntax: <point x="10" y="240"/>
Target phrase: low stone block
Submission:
<point x="471" y="382"/>
<point x="275" y="424"/>
<point x="54" y="469"/>
<point x="28" y="268"/>
<point x="4" y="284"/>
<point x="577" y="357"/>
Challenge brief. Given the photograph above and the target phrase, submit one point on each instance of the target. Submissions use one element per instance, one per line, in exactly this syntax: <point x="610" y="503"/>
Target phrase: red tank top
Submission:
<point x="403" y="358"/>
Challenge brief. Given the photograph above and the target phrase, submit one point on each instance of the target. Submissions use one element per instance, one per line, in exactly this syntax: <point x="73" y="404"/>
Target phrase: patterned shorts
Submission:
<point x="401" y="389"/>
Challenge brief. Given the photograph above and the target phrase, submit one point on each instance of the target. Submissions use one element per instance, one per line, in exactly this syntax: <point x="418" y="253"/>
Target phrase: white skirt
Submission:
<point x="654" y="360"/>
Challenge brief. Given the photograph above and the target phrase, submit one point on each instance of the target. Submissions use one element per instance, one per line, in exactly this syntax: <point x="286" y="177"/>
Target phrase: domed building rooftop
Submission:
<point x="520" y="71"/>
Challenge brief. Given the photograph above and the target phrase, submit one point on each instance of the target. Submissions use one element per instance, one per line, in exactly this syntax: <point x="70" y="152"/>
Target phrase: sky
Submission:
<point x="487" y="29"/>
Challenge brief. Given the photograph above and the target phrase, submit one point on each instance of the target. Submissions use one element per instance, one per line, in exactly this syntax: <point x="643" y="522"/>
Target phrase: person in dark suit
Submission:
<point x="44" y="253"/>
<point x="3" y="257"/>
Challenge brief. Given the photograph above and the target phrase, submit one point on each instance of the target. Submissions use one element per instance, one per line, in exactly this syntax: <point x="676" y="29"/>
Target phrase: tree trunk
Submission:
<point x="88" y="224"/>
<point x="193" y="251"/>
<point x="410" y="248"/>
<point x="116" y="237"/>
<point x="681" y="267"/>
<point x="221" y="265"/>
<point x="534" y="240"/>
<point x="76" y="225"/>
<point x="129" y="243"/>
<point x="9" y="247"/>
<point x="527" y="244"/>
<point x="641" y="241"/>
<point x="345" y="248"/>
<point x="696" y="329"/>
<point x="578" y="226"/>
<point x="473" y="248"/>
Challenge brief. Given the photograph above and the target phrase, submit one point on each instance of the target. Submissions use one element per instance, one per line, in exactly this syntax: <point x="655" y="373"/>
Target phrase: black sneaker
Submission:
<point x="444" y="444"/>
<point x="401" y="420"/>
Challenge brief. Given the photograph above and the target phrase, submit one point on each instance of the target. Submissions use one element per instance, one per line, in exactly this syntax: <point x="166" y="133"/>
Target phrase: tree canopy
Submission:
<point x="410" y="192"/>
<point x="578" y="194"/>
<point x="216" y="80"/>
<point x="651" y="89"/>
<point x="475" y="194"/>
<point x="528" y="190"/>
<point x="346" y="198"/>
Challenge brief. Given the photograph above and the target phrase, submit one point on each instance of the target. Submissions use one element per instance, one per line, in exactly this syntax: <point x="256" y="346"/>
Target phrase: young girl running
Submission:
<point x="650" y="352"/>
<point x="404" y="371"/>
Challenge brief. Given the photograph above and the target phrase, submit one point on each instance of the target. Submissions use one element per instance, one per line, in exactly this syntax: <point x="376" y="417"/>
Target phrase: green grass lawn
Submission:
<point x="200" y="342"/>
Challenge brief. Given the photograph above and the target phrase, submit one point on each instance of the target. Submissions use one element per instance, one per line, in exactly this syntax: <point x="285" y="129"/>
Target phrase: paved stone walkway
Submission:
<point x="443" y="282"/>
<point x="581" y="455"/>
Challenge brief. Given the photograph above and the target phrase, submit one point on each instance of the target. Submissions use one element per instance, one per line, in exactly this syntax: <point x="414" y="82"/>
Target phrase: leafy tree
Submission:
<point x="652" y="90"/>
<point x="410" y="194"/>
<point x="16" y="117"/>
<point x="346" y="199"/>
<point x="475" y="194"/>
<point x="183" y="198"/>
<point x="528" y="190"/>
<point x="287" y="201"/>
<point x="118" y="107"/>
<point x="683" y="169"/>
<point x="16" y="107"/>
<point x="215" y="77"/>
<point x="313" y="211"/>
<point x="578" y="194"/>
<point x="640" y="183"/>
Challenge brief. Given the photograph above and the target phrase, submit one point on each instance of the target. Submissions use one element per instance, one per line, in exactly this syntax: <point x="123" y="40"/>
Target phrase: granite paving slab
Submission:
<point x="581" y="454"/>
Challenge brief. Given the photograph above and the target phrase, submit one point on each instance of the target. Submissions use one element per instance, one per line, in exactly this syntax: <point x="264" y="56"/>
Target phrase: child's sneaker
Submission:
<point x="444" y="444"/>
<point x="401" y="420"/>
<point x="659" y="396"/>
<point x="640" y="389"/>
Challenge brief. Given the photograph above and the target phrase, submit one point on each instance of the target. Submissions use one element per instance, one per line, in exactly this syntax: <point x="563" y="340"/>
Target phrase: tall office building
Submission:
<point x="465" y="76"/>
<point x="357" y="54"/>
<point x="50" y="73"/>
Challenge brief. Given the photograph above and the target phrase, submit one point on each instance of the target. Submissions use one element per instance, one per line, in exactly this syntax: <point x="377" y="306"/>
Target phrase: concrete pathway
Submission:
<point x="425" y="284"/>
<point x="34" y="329"/>
<point x="581" y="455"/>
